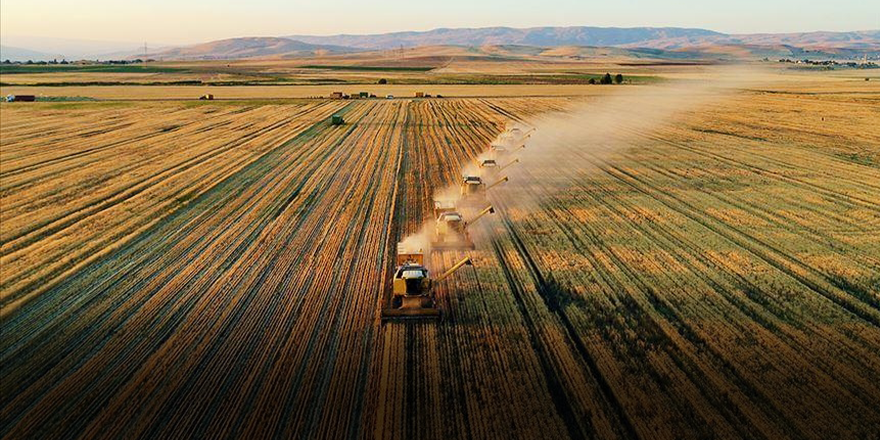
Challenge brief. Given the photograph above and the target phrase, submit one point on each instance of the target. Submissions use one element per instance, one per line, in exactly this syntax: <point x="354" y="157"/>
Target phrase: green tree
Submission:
<point x="606" y="79"/>
<point x="592" y="80"/>
<point x="383" y="81"/>
<point x="618" y="78"/>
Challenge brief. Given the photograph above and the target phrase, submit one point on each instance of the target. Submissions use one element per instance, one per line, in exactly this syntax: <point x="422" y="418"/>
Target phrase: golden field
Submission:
<point x="171" y="267"/>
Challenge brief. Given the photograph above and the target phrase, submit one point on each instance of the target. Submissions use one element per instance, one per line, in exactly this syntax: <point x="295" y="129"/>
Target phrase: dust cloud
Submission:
<point x="564" y="147"/>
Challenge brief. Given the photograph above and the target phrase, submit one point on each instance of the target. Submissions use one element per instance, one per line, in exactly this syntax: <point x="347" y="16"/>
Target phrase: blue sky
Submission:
<point x="192" y="21"/>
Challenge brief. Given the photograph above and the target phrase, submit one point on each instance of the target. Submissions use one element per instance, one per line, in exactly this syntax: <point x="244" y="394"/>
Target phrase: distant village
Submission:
<point x="78" y="62"/>
<point x="863" y="64"/>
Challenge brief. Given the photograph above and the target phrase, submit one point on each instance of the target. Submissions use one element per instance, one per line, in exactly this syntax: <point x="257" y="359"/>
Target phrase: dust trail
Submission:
<point x="419" y="241"/>
<point x="562" y="147"/>
<point x="565" y="146"/>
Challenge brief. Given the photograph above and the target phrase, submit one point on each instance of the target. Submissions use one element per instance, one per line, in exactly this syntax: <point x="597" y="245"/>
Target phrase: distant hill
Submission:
<point x="640" y="37"/>
<point x="869" y="40"/>
<point x="250" y="47"/>
<point x="48" y="48"/>
<point x="866" y="40"/>
<point x="666" y="42"/>
<point x="494" y="36"/>
<point x="19" y="54"/>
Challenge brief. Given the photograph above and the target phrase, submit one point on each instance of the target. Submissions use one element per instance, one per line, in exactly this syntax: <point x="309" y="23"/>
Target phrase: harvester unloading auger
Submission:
<point x="508" y="164"/>
<point x="451" y="231"/>
<point x="412" y="287"/>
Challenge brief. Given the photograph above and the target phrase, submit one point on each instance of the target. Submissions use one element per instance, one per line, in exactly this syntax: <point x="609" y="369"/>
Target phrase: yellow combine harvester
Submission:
<point x="515" y="136"/>
<point x="509" y="141"/>
<point x="411" y="295"/>
<point x="474" y="189"/>
<point x="471" y="185"/>
<point x="451" y="230"/>
<point x="441" y="206"/>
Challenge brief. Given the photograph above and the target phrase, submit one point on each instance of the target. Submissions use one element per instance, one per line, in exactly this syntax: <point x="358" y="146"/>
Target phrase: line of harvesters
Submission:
<point x="411" y="295"/>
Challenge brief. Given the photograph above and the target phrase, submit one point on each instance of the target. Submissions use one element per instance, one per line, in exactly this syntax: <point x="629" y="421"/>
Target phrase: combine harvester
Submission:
<point x="451" y="233"/>
<point x="509" y="141"/>
<point x="491" y="167"/>
<point x="515" y="135"/>
<point x="488" y="164"/>
<point x="411" y="295"/>
<point x="473" y="189"/>
<point x="500" y="150"/>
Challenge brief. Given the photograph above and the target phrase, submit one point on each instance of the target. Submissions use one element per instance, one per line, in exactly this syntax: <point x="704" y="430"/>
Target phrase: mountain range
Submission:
<point x="496" y="36"/>
<point x="664" y="40"/>
<point x="251" y="47"/>
<point x="644" y="37"/>
<point x="694" y="41"/>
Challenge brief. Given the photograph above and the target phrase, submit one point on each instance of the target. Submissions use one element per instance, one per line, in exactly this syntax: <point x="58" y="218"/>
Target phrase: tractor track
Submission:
<point x="552" y="305"/>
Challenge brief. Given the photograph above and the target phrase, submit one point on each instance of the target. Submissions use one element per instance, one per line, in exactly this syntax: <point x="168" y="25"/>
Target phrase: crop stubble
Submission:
<point x="220" y="268"/>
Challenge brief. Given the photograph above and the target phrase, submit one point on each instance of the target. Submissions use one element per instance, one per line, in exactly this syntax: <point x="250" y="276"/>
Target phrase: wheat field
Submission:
<point x="170" y="268"/>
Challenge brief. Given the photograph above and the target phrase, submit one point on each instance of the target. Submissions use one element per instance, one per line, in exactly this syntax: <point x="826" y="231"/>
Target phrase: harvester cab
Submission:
<point x="411" y="294"/>
<point x="471" y="185"/>
<point x="488" y="164"/>
<point x="441" y="206"/>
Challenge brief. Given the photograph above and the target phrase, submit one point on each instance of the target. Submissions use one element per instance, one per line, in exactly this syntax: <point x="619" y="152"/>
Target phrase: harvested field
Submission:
<point x="170" y="269"/>
<point x="290" y="92"/>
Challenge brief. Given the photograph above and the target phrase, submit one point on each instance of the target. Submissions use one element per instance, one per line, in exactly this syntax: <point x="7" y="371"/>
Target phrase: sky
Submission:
<point x="195" y="21"/>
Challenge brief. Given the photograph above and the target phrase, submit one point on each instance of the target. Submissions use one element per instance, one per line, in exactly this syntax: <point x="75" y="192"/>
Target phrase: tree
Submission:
<point x="606" y="79"/>
<point x="383" y="81"/>
<point x="592" y="80"/>
<point x="618" y="78"/>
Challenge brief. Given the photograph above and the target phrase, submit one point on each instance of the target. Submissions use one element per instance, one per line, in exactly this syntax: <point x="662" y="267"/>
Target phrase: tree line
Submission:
<point x="608" y="79"/>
